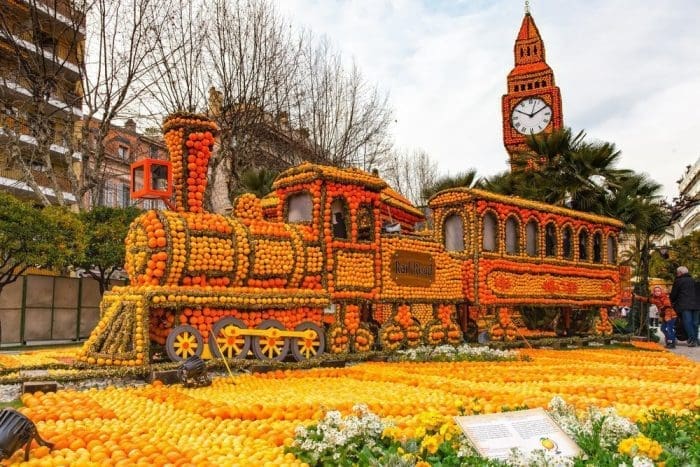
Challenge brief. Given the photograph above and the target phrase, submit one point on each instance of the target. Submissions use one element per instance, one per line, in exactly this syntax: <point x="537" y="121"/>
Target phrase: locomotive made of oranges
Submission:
<point x="331" y="262"/>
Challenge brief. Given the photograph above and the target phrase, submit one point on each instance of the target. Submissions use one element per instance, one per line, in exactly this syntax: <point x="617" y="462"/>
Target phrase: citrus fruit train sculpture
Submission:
<point x="331" y="261"/>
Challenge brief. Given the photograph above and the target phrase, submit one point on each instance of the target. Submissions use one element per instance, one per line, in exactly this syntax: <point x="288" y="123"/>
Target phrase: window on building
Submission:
<point x="598" y="247"/>
<point x="567" y="243"/>
<point x="490" y="232"/>
<point x="108" y="195"/>
<point x="512" y="236"/>
<point x="339" y="218"/>
<point x="123" y="152"/>
<point x="365" y="223"/>
<point x="454" y="233"/>
<point x="532" y="238"/>
<point x="300" y="208"/>
<point x="612" y="249"/>
<point x="125" y="195"/>
<point x="153" y="152"/>
<point x="583" y="245"/>
<point x="550" y="240"/>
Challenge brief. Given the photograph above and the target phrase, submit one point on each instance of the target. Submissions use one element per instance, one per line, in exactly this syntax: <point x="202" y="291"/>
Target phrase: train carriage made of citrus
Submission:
<point x="330" y="261"/>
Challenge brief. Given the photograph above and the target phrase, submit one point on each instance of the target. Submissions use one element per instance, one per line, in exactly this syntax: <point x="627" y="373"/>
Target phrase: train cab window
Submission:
<point x="597" y="247"/>
<point x="583" y="245"/>
<point x="300" y="208"/>
<point x="612" y="250"/>
<point x="567" y="243"/>
<point x="339" y="218"/>
<point x="512" y="236"/>
<point x="490" y="233"/>
<point x="454" y="233"/>
<point x="532" y="234"/>
<point x="365" y="223"/>
<point x="550" y="240"/>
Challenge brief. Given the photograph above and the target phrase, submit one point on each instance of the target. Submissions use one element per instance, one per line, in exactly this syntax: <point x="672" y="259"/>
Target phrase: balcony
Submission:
<point x="14" y="179"/>
<point x="11" y="127"/>
<point x="57" y="55"/>
<point x="69" y="102"/>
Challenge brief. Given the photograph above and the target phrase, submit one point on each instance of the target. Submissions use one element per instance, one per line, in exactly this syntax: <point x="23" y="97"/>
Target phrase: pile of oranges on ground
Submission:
<point x="249" y="419"/>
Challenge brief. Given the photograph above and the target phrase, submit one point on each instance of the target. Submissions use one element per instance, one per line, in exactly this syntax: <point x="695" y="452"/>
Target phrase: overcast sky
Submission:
<point x="629" y="72"/>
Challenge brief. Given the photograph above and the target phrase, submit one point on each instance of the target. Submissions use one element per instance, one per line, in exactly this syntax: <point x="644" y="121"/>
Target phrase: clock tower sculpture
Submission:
<point x="532" y="104"/>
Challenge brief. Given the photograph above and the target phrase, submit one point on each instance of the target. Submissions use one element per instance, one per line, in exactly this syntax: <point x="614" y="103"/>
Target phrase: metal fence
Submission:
<point x="48" y="308"/>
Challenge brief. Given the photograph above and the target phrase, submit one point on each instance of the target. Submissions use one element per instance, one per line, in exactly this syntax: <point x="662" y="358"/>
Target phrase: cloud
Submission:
<point x="629" y="72"/>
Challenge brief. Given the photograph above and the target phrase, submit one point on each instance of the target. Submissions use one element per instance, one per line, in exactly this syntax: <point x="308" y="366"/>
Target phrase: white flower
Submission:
<point x="639" y="461"/>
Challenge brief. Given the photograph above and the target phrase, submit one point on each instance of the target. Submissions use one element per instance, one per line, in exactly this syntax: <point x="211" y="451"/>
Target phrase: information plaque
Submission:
<point x="494" y="435"/>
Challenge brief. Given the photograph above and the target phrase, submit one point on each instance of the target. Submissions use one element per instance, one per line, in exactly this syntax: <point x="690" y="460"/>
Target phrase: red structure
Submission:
<point x="532" y="104"/>
<point x="152" y="179"/>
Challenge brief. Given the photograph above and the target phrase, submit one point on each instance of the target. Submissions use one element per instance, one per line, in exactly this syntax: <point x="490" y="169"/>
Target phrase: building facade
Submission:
<point x="41" y="51"/>
<point x="689" y="189"/>
<point x="123" y="146"/>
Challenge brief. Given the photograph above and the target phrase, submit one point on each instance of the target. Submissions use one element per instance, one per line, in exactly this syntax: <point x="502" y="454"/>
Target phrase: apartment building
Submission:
<point x="41" y="48"/>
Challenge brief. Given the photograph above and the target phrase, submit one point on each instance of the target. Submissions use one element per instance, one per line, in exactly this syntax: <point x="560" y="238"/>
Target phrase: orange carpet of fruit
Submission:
<point x="248" y="420"/>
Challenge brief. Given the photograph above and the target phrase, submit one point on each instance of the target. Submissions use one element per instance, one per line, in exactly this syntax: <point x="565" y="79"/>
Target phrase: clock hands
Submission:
<point x="524" y="113"/>
<point x="541" y="108"/>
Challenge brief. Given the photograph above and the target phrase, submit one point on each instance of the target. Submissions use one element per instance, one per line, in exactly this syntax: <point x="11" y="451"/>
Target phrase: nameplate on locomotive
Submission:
<point x="412" y="269"/>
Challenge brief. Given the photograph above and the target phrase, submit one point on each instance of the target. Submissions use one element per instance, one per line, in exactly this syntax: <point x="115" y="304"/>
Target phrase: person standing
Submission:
<point x="653" y="316"/>
<point x="683" y="300"/>
<point x="666" y="313"/>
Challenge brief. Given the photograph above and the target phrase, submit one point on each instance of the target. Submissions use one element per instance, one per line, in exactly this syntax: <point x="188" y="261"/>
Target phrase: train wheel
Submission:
<point x="303" y="348"/>
<point x="413" y="336"/>
<point x="226" y="339"/>
<point x="184" y="342"/>
<point x="364" y="339"/>
<point x="391" y="336"/>
<point x="454" y="334"/>
<point x="273" y="346"/>
<point x="435" y="333"/>
<point x="339" y="339"/>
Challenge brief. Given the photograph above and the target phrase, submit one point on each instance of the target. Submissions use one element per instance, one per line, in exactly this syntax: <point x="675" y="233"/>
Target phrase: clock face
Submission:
<point x="531" y="116"/>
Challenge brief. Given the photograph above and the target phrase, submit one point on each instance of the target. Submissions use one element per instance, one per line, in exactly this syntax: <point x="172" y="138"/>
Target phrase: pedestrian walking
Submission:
<point x="666" y="313"/>
<point x="683" y="300"/>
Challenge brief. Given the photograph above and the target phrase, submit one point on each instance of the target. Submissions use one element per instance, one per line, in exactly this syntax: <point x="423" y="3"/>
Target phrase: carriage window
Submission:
<point x="512" y="236"/>
<point x="339" y="218"/>
<point x="567" y="244"/>
<point x="365" y="224"/>
<point x="454" y="233"/>
<point x="583" y="245"/>
<point x="597" y="247"/>
<point x="490" y="232"/>
<point x="300" y="208"/>
<point x="532" y="233"/>
<point x="550" y="240"/>
<point x="612" y="250"/>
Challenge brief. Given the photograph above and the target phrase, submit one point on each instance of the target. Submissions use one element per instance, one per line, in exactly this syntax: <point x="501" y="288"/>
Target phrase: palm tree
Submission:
<point x="257" y="181"/>
<point x="635" y="201"/>
<point x="568" y="171"/>
<point x="467" y="179"/>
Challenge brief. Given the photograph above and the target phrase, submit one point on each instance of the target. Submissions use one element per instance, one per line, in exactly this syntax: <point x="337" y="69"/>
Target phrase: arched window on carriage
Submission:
<point x="365" y="223"/>
<point x="454" y="233"/>
<point x="598" y="247"/>
<point x="532" y="238"/>
<point x="490" y="232"/>
<point x="550" y="240"/>
<point x="512" y="236"/>
<point x="583" y="245"/>
<point x="339" y="218"/>
<point x="300" y="208"/>
<point x="612" y="249"/>
<point x="567" y="243"/>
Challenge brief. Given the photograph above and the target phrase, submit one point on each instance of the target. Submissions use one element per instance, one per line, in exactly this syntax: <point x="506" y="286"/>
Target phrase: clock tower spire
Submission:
<point x="532" y="103"/>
